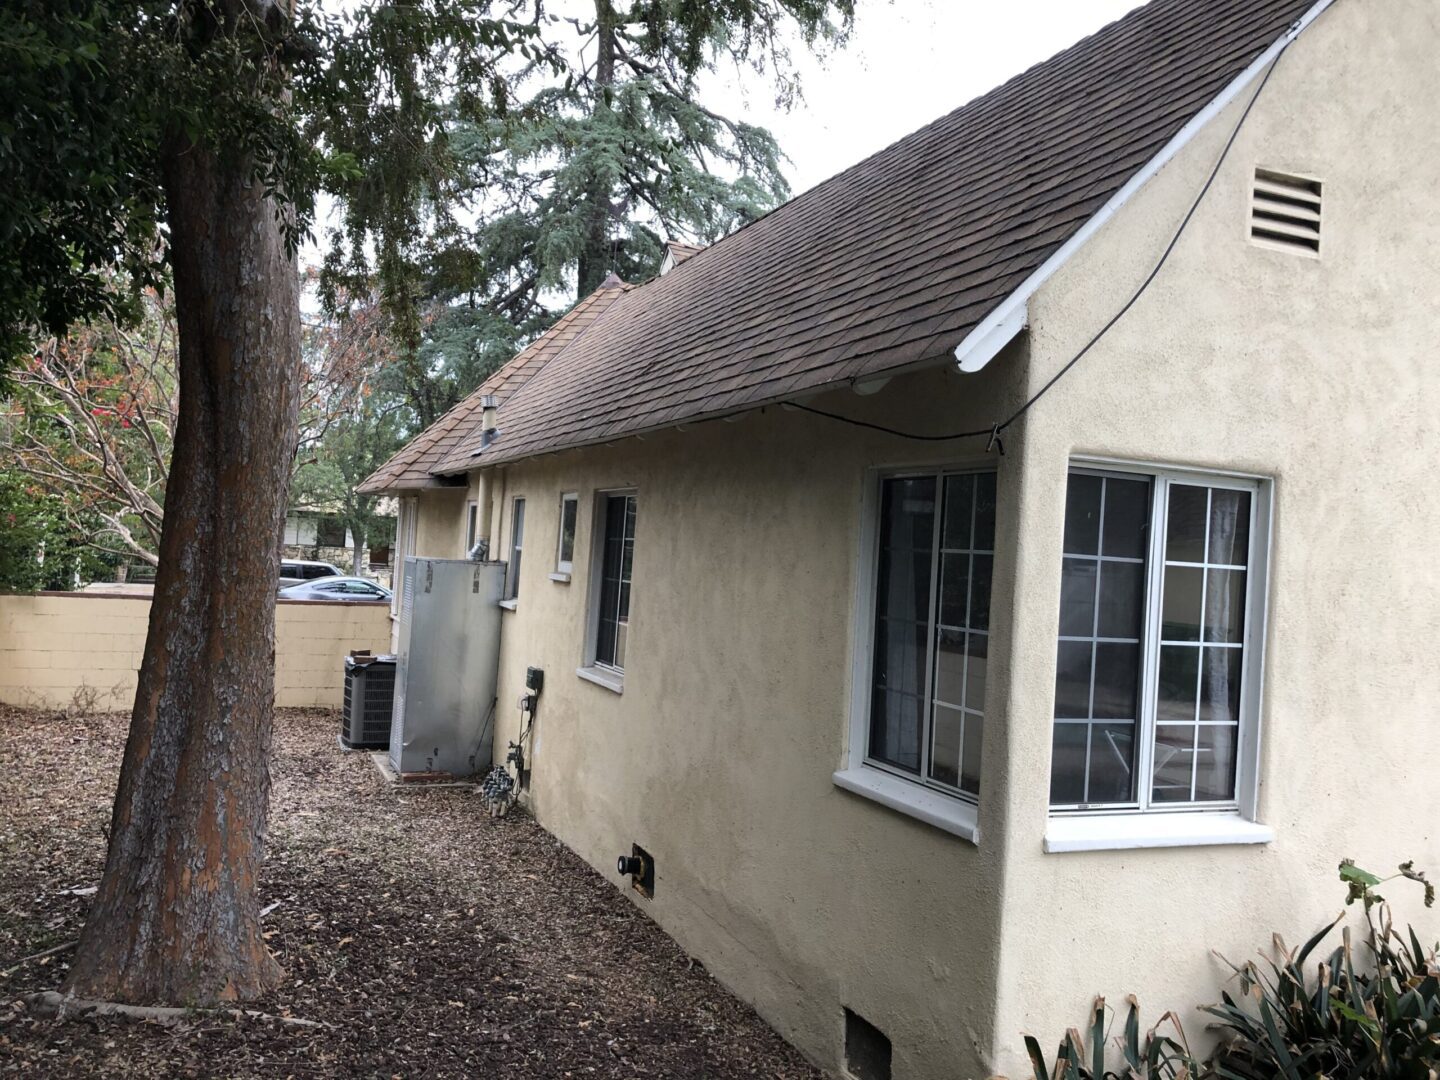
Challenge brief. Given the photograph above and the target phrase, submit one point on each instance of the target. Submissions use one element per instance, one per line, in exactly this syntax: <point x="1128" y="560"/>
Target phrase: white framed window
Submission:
<point x="517" y="548"/>
<point x="405" y="528"/>
<point x="1159" y="653"/>
<point x="472" y="520"/>
<point x="920" y="665"/>
<point x="565" y="545"/>
<point x="612" y="562"/>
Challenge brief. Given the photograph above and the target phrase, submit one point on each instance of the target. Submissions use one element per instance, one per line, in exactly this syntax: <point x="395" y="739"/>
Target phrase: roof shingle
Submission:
<point x="415" y="465"/>
<point x="895" y="260"/>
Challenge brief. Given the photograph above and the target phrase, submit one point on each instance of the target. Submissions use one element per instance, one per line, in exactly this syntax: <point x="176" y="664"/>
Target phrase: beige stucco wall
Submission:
<point x="1321" y="375"/>
<point x="718" y="756"/>
<point x="440" y="528"/>
<point x="53" y="645"/>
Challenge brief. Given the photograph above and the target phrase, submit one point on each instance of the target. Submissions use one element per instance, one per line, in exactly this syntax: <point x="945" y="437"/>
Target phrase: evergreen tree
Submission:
<point x="222" y="119"/>
<point x="606" y="152"/>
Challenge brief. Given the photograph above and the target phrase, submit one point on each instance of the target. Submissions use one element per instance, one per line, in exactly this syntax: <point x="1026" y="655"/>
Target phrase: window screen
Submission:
<point x="517" y="547"/>
<point x="1151" y="654"/>
<point x="616" y="561"/>
<point x="932" y="622"/>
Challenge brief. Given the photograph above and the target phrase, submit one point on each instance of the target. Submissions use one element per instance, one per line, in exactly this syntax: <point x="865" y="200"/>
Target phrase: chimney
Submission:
<point x="487" y="420"/>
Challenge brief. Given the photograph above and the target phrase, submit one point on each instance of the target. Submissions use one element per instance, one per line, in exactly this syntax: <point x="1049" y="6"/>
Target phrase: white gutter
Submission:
<point x="1012" y="315"/>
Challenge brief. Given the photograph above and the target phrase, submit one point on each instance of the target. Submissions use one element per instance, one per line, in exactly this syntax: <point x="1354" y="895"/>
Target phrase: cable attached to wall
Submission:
<point x="994" y="432"/>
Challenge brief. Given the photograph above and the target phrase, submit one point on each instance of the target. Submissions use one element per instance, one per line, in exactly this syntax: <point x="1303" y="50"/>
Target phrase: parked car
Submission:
<point x="294" y="571"/>
<point x="336" y="587"/>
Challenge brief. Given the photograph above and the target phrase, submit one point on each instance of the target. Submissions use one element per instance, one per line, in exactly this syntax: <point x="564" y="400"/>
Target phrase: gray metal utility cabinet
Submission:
<point x="444" y="719"/>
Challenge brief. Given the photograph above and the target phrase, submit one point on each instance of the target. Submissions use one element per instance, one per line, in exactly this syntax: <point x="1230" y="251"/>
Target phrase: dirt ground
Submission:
<point x="438" y="942"/>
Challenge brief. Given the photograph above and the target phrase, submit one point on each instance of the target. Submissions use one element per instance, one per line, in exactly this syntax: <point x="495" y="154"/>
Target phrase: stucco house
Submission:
<point x="1008" y="571"/>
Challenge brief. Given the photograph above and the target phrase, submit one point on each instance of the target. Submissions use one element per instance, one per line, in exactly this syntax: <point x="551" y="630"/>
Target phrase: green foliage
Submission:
<point x="351" y="425"/>
<point x="40" y="546"/>
<point x="91" y="420"/>
<point x="599" y="152"/>
<point x="79" y="192"/>
<point x="1153" y="1056"/>
<point x="95" y="93"/>
<point x="1377" y="1015"/>
<point x="1342" y="1017"/>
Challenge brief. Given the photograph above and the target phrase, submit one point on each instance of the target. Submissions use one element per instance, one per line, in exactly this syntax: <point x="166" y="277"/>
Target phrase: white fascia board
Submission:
<point x="1011" y="315"/>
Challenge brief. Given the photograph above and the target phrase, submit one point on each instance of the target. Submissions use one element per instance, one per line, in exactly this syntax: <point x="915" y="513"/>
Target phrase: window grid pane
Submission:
<point x="1202" y="646"/>
<point x="932" y="611"/>
<point x="517" y="547"/>
<point x="569" y="510"/>
<point x="1100" y="653"/>
<point x="616" y="563"/>
<point x="961" y="638"/>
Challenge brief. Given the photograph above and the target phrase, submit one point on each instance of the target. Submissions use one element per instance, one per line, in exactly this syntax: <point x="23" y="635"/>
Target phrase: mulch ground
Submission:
<point x="438" y="941"/>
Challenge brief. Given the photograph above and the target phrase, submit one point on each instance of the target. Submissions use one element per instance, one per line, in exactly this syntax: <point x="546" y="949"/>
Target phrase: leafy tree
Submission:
<point x="350" y="427"/>
<point x="92" y="421"/>
<point x="590" y="171"/>
<point x="140" y="137"/>
<point x="220" y="119"/>
<point x="41" y="545"/>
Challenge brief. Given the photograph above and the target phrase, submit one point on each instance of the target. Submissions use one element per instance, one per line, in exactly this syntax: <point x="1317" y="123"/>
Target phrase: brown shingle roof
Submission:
<point x="895" y="260"/>
<point x="679" y="251"/>
<point x="412" y="466"/>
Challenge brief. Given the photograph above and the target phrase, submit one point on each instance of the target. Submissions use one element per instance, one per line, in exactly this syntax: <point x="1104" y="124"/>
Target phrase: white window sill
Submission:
<point x="954" y="816"/>
<point x="613" y="681"/>
<point x="1123" y="831"/>
<point x="561" y="577"/>
<point x="509" y="605"/>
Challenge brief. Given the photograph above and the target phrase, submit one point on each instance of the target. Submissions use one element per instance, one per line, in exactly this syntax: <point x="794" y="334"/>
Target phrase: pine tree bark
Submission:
<point x="595" y="255"/>
<point x="176" y="919"/>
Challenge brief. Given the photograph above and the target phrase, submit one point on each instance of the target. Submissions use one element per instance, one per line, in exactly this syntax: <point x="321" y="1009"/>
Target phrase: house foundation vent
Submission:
<point x="1285" y="213"/>
<point x="867" y="1049"/>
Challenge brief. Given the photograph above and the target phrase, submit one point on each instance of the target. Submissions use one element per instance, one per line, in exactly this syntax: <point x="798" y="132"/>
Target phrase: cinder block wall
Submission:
<point x="58" y="649"/>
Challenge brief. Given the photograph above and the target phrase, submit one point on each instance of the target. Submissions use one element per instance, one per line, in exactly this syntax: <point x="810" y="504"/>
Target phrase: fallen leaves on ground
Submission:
<point x="439" y="942"/>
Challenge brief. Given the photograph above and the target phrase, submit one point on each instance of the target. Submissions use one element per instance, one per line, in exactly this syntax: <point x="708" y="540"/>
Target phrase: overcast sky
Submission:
<point x="908" y="62"/>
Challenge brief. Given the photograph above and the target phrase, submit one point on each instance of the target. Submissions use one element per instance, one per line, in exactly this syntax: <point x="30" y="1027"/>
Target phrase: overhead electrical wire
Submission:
<point x="994" y="431"/>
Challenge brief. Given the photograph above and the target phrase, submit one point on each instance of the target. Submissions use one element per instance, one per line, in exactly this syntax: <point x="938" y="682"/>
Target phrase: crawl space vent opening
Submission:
<point x="867" y="1049"/>
<point x="1285" y="212"/>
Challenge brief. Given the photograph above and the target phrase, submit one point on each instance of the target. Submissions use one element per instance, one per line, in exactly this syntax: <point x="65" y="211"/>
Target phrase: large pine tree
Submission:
<point x="606" y="151"/>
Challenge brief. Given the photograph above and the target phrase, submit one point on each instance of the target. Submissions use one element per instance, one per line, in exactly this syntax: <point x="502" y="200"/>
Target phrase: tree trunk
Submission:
<point x="176" y="919"/>
<point x="595" y="257"/>
<point x="357" y="551"/>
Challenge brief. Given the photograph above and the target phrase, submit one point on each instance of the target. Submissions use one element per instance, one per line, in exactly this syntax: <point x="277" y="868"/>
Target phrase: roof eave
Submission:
<point x="1008" y="318"/>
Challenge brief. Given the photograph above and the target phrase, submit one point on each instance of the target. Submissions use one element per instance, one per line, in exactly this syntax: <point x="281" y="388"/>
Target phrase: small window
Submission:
<point x="565" y="552"/>
<point x="1156" y="642"/>
<point x="472" y="518"/>
<point x="932" y="628"/>
<point x="517" y="545"/>
<point x="615" y="559"/>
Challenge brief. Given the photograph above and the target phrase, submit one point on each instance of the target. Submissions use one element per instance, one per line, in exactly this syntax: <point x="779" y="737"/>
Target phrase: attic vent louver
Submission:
<point x="1285" y="212"/>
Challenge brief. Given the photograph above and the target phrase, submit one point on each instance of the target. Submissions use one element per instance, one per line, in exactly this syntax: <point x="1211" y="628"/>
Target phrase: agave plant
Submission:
<point x="1155" y="1057"/>
<point x="1379" y="1018"/>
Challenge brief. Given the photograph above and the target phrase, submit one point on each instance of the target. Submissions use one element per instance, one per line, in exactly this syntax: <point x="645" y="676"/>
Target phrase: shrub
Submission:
<point x="1379" y="1017"/>
<point x="1376" y="1016"/>
<point x="1153" y="1057"/>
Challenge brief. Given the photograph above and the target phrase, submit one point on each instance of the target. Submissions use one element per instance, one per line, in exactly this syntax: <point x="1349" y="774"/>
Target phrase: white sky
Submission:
<point x="908" y="62"/>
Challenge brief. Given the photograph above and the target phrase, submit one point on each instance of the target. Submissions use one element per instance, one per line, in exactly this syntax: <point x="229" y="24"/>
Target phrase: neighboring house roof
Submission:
<point x="412" y="467"/>
<point x="894" y="261"/>
<point x="676" y="253"/>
